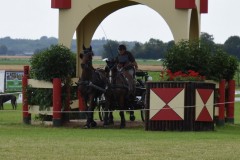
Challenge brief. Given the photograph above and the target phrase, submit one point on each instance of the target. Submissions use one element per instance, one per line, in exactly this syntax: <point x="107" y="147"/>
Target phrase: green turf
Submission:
<point x="19" y="141"/>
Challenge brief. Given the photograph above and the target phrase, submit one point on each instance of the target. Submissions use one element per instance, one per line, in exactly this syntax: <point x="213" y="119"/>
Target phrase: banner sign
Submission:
<point x="2" y="75"/>
<point x="13" y="81"/>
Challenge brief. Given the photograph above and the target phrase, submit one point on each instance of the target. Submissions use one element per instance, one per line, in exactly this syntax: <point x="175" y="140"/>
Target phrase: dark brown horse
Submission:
<point x="121" y="92"/>
<point x="7" y="97"/>
<point x="92" y="84"/>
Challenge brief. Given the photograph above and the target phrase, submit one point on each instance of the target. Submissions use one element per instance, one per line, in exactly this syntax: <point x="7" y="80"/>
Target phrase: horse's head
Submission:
<point x="86" y="57"/>
<point x="111" y="64"/>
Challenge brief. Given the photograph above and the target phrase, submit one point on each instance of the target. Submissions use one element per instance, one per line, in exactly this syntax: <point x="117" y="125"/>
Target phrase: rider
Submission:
<point x="127" y="64"/>
<point x="125" y="60"/>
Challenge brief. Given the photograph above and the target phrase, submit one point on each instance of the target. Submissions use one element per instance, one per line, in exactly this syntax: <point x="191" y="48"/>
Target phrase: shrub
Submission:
<point x="56" y="62"/>
<point x="213" y="63"/>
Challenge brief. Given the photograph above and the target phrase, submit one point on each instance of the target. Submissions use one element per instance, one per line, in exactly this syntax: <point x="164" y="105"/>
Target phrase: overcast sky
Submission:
<point x="32" y="19"/>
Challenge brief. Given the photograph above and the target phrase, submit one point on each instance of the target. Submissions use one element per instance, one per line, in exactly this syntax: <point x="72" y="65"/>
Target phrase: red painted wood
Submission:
<point x="167" y="94"/>
<point x="57" y="104"/>
<point x="26" y="71"/>
<point x="81" y="102"/>
<point x="205" y="94"/>
<point x="24" y="96"/>
<point x="166" y="113"/>
<point x="24" y="92"/>
<point x="231" y="99"/>
<point x="221" y="101"/>
<point x="185" y="4"/>
<point x="61" y="4"/>
<point x="203" y="6"/>
<point x="204" y="116"/>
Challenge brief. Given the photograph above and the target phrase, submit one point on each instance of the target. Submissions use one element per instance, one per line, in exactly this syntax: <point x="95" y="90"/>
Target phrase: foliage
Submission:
<point x="212" y="63"/>
<point x="55" y="62"/>
<point x="3" y="50"/>
<point x="191" y="75"/>
<point x="110" y="49"/>
<point x="232" y="46"/>
<point x="187" y="55"/>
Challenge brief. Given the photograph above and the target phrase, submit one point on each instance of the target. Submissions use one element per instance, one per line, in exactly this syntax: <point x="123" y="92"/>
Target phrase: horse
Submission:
<point x="7" y="97"/>
<point x="121" y="92"/>
<point x="92" y="84"/>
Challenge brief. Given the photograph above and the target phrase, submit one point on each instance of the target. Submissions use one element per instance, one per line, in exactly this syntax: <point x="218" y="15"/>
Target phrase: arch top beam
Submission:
<point x="61" y="4"/>
<point x="179" y="4"/>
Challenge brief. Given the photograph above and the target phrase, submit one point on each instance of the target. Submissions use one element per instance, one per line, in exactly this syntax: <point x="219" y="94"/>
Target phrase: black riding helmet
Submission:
<point x="122" y="47"/>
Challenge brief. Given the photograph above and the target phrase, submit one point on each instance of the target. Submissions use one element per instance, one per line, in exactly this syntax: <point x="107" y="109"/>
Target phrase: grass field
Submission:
<point x="19" y="141"/>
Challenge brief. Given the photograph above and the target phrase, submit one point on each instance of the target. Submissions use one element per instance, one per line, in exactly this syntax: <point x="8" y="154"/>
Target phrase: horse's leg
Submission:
<point x="123" y="121"/>
<point x="121" y="113"/>
<point x="106" y="114"/>
<point x="90" y="121"/>
<point x="13" y="102"/>
<point x="131" y="107"/>
<point x="111" y="118"/>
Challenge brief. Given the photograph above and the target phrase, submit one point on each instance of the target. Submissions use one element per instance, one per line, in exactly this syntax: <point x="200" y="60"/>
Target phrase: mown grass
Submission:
<point x="19" y="141"/>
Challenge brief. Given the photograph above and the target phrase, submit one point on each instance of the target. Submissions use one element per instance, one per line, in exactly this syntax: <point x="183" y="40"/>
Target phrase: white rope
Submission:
<point x="126" y="110"/>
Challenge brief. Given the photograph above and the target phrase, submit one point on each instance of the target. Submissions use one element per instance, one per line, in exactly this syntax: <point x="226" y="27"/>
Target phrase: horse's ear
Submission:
<point x="81" y="55"/>
<point x="84" y="48"/>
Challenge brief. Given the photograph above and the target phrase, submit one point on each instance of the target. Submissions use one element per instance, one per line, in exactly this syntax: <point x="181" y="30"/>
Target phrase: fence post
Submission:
<point x="231" y="99"/>
<point x="221" y="103"/>
<point x="26" y="115"/>
<point x="80" y="102"/>
<point x="57" y="104"/>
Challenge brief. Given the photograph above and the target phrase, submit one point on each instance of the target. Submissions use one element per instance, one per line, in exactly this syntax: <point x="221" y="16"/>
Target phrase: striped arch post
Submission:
<point x="26" y="115"/>
<point x="231" y="99"/>
<point x="57" y="103"/>
<point x="221" y="103"/>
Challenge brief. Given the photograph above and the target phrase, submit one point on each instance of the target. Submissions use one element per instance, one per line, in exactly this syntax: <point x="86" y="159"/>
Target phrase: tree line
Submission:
<point x="152" y="49"/>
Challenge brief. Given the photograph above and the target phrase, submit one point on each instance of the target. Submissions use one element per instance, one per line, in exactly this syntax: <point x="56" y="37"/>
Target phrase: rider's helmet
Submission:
<point x="122" y="47"/>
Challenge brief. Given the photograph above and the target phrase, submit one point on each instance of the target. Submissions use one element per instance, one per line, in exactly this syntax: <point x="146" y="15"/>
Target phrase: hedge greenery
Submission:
<point x="55" y="62"/>
<point x="213" y="63"/>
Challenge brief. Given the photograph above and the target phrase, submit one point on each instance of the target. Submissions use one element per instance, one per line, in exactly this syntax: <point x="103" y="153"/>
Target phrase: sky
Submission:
<point x="32" y="19"/>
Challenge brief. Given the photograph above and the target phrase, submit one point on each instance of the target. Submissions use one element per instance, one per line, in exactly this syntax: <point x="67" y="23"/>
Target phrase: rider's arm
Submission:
<point x="132" y="60"/>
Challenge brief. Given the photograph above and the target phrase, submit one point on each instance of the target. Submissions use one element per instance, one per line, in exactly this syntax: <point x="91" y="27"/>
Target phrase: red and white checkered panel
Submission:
<point x="166" y="104"/>
<point x="204" y="105"/>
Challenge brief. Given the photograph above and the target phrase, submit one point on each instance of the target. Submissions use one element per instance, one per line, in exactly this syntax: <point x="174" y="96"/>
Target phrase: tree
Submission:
<point x="232" y="46"/>
<point x="3" y="50"/>
<point x="207" y="39"/>
<point x="110" y="49"/>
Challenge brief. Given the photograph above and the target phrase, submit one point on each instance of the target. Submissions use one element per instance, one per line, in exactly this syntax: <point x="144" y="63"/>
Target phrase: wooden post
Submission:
<point x="26" y="115"/>
<point x="66" y="116"/>
<point x="231" y="99"/>
<point x="81" y="105"/>
<point x="57" y="104"/>
<point x="221" y="103"/>
<point x="80" y="102"/>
